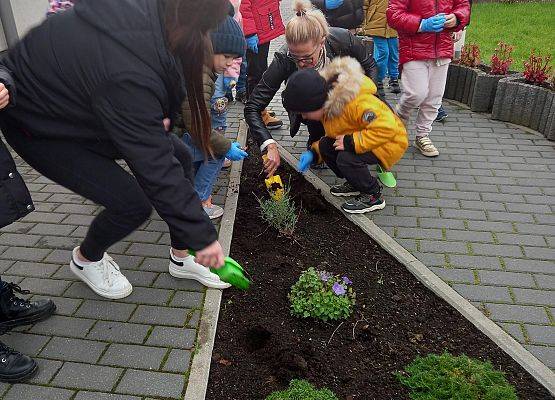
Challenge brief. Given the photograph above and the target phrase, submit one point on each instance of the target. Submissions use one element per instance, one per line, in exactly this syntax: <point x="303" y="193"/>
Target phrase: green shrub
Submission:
<point x="319" y="294"/>
<point x="302" y="390"/>
<point x="445" y="377"/>
<point x="280" y="214"/>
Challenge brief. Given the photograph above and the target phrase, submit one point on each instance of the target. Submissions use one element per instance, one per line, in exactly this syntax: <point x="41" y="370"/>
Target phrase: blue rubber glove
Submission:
<point x="307" y="157"/>
<point x="252" y="43"/>
<point x="333" y="4"/>
<point x="235" y="152"/>
<point x="433" y="24"/>
<point x="227" y="83"/>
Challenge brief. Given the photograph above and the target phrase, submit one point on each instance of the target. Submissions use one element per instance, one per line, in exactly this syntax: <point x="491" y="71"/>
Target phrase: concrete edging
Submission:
<point x="200" y="368"/>
<point x="515" y="350"/>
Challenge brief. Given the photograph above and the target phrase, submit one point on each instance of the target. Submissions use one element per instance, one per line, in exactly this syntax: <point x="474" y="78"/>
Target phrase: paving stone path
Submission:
<point x="136" y="348"/>
<point x="481" y="216"/>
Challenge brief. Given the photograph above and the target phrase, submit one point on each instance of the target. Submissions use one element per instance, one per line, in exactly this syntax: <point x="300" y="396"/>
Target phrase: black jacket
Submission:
<point x="349" y="15"/>
<point x="15" y="200"/>
<point x="102" y="71"/>
<point x="339" y="43"/>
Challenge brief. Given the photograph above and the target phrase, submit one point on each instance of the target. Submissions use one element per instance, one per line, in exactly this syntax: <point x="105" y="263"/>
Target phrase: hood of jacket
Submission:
<point x="138" y="26"/>
<point x="349" y="81"/>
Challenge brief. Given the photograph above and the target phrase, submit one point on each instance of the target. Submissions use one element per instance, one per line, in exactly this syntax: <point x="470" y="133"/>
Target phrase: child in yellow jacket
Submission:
<point x="361" y="130"/>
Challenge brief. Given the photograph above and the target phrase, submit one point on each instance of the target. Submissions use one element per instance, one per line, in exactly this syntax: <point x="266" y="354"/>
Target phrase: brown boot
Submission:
<point x="271" y="122"/>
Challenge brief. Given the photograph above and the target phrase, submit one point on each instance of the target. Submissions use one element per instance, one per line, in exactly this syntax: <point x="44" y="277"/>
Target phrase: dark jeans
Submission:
<point x="257" y="64"/>
<point x="89" y="168"/>
<point x="353" y="167"/>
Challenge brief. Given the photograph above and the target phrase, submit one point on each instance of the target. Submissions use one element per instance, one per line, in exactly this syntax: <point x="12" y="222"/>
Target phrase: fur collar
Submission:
<point x="346" y="89"/>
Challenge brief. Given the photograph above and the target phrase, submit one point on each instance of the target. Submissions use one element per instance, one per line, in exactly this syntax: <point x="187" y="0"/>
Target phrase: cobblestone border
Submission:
<point x="200" y="367"/>
<point x="515" y="350"/>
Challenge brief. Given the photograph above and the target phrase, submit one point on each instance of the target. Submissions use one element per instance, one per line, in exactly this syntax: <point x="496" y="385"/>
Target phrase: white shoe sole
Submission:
<point x="206" y="282"/>
<point x="427" y="154"/>
<point x="348" y="194"/>
<point x="365" y="210"/>
<point x="94" y="288"/>
<point x="216" y="216"/>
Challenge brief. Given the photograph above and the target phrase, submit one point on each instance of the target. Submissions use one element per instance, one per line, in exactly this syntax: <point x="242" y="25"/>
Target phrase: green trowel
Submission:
<point x="231" y="272"/>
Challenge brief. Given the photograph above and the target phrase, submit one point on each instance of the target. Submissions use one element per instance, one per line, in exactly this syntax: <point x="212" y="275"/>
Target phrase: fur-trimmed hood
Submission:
<point x="350" y="79"/>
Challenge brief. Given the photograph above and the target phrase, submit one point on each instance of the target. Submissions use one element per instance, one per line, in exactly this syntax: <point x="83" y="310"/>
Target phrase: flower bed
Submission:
<point x="260" y="346"/>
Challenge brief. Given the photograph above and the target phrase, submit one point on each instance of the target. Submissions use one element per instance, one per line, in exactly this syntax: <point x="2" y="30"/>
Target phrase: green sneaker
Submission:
<point x="386" y="177"/>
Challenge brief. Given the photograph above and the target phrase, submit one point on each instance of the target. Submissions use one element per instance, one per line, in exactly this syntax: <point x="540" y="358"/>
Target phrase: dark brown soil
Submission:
<point x="260" y="346"/>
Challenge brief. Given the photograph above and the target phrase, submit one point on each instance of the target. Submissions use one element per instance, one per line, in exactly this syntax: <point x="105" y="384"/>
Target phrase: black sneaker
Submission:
<point x="16" y="312"/>
<point x="394" y="86"/>
<point x="364" y="203"/>
<point x="14" y="366"/>
<point x="441" y="115"/>
<point x="241" y="97"/>
<point x="229" y="97"/>
<point x="381" y="91"/>
<point x="344" y="190"/>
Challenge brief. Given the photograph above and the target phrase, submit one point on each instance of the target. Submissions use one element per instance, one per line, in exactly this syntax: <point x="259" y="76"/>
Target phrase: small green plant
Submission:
<point x="302" y="390"/>
<point x="446" y="377"/>
<point x="470" y="55"/>
<point x="322" y="295"/>
<point x="280" y="214"/>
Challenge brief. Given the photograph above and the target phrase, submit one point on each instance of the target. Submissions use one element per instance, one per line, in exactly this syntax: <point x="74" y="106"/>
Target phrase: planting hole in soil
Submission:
<point x="395" y="318"/>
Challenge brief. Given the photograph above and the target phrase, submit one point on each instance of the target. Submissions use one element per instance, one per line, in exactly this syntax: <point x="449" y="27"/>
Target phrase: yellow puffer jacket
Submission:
<point x="375" y="20"/>
<point x="353" y="110"/>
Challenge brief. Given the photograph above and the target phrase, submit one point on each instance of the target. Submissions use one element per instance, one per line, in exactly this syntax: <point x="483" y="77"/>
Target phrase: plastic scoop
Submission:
<point x="386" y="177"/>
<point x="231" y="272"/>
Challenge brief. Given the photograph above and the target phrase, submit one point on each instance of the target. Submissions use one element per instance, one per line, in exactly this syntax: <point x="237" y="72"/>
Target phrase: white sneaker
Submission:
<point x="187" y="268"/>
<point x="103" y="277"/>
<point x="213" y="211"/>
<point x="426" y="147"/>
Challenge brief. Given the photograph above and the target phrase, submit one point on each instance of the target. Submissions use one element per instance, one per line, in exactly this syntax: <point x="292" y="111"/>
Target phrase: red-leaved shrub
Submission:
<point x="501" y="59"/>
<point x="470" y="55"/>
<point x="537" y="69"/>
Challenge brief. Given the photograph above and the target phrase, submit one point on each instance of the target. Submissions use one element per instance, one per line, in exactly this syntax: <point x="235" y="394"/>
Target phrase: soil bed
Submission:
<point x="260" y="346"/>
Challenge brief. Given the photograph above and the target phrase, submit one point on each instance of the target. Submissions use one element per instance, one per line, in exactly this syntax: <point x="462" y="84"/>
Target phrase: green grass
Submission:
<point x="526" y="26"/>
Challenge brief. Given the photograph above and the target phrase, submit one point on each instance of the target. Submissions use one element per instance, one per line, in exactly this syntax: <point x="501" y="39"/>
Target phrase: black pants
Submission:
<point x="89" y="169"/>
<point x="353" y="167"/>
<point x="316" y="132"/>
<point x="257" y="64"/>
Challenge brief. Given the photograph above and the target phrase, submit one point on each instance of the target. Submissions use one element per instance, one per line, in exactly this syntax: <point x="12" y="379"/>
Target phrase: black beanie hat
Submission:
<point x="228" y="38"/>
<point x="306" y="91"/>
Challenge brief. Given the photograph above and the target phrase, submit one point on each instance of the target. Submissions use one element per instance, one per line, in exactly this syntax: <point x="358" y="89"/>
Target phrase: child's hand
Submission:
<point x="235" y="152"/>
<point x="4" y="96"/>
<point x="338" y="144"/>
<point x="229" y="83"/>
<point x="456" y="36"/>
<point x="166" y="122"/>
<point x="304" y="162"/>
<point x="252" y="43"/>
<point x="450" y="21"/>
<point x="433" y="24"/>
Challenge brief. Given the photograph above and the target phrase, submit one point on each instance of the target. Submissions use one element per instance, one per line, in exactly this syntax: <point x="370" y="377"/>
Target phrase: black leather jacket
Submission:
<point x="340" y="42"/>
<point x="349" y="15"/>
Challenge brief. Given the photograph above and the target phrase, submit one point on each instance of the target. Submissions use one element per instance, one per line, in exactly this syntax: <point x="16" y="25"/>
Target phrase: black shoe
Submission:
<point x="381" y="91"/>
<point x="14" y="366"/>
<point x="394" y="86"/>
<point x="344" y="190"/>
<point x="441" y="115"/>
<point x="241" y="96"/>
<point x="229" y="97"/>
<point x="16" y="312"/>
<point x="364" y="203"/>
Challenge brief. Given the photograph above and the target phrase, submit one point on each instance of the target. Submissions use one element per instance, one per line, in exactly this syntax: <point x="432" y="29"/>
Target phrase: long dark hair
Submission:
<point x="187" y="23"/>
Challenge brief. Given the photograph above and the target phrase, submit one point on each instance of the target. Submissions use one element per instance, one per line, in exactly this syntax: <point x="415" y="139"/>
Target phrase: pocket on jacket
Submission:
<point x="268" y="18"/>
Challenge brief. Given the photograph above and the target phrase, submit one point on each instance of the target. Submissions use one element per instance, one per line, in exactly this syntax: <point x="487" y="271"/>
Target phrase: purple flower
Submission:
<point x="347" y="281"/>
<point x="338" y="289"/>
<point x="324" y="276"/>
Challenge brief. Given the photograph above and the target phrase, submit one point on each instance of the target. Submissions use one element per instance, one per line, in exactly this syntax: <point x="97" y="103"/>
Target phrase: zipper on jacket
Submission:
<point x="271" y="21"/>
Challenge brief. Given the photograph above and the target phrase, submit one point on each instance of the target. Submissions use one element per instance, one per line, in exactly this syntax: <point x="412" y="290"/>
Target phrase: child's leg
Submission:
<point x="354" y="167"/>
<point x="206" y="177"/>
<point x="381" y="55"/>
<point x="242" y="81"/>
<point x="218" y="105"/>
<point x="415" y="80"/>
<point x="427" y="113"/>
<point x="393" y="60"/>
<point x="329" y="154"/>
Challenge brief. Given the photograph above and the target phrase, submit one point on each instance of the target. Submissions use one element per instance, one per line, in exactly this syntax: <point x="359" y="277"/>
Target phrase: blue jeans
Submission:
<point x="386" y="54"/>
<point x="242" y="81"/>
<point x="218" y="105"/>
<point x="206" y="172"/>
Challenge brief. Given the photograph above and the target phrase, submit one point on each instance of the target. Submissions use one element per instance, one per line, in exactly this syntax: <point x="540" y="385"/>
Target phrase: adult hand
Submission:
<point x="235" y="152"/>
<point x="450" y="21"/>
<point x="338" y="144"/>
<point x="211" y="256"/>
<point x="433" y="24"/>
<point x="456" y="36"/>
<point x="307" y="157"/>
<point x="229" y="83"/>
<point x="272" y="160"/>
<point x="252" y="43"/>
<point x="333" y="4"/>
<point x="166" y="122"/>
<point x="4" y="96"/>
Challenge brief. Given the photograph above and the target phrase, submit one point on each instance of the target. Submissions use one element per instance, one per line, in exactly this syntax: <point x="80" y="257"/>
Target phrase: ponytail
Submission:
<point x="307" y="25"/>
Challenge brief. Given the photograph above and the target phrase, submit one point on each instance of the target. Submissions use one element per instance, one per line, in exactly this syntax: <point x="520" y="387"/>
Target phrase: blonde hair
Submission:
<point x="308" y="24"/>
